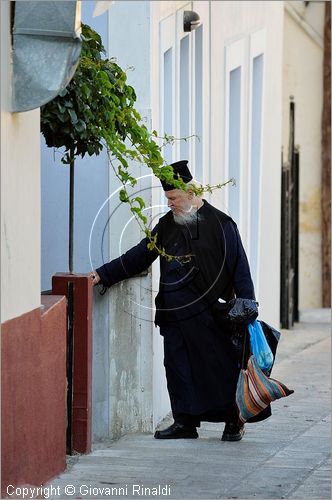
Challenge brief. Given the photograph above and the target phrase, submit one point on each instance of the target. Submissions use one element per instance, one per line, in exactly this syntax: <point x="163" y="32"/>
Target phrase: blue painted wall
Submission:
<point x="91" y="190"/>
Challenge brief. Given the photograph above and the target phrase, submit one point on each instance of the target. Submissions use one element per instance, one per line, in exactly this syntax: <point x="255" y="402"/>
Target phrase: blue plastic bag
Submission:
<point x="259" y="346"/>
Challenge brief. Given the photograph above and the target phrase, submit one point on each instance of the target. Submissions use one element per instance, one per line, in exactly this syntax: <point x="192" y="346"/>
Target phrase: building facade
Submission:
<point x="303" y="80"/>
<point x="223" y="86"/>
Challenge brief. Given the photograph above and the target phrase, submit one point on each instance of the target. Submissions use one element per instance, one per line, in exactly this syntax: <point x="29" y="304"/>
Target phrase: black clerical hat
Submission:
<point x="181" y="168"/>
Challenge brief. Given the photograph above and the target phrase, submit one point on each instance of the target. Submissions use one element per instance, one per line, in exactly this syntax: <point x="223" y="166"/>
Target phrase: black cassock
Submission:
<point x="201" y="362"/>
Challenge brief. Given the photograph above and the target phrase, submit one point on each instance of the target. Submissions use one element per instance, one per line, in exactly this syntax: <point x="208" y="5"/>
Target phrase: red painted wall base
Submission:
<point x="33" y="396"/>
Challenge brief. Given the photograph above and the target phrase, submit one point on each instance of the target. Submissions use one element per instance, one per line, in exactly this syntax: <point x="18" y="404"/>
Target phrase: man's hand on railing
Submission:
<point x="95" y="278"/>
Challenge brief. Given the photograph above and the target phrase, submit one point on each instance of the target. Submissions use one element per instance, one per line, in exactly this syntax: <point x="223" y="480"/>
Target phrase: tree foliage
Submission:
<point x="97" y="109"/>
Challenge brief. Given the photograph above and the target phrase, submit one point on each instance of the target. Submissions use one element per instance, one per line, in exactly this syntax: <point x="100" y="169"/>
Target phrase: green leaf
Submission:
<point x="143" y="218"/>
<point x="123" y="196"/>
<point x="80" y="126"/>
<point x="61" y="108"/>
<point x="140" y="201"/>
<point x="73" y="116"/>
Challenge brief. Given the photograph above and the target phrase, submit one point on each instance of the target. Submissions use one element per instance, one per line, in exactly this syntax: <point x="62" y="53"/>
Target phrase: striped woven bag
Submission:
<point x="255" y="391"/>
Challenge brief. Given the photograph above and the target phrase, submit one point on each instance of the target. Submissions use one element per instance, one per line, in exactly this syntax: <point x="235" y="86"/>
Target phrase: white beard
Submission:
<point x="186" y="218"/>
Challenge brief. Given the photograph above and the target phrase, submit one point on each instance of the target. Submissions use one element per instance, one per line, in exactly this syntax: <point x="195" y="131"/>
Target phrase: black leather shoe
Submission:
<point x="177" y="431"/>
<point x="233" y="431"/>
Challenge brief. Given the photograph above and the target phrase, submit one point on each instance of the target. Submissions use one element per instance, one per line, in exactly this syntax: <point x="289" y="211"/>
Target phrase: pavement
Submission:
<point x="285" y="456"/>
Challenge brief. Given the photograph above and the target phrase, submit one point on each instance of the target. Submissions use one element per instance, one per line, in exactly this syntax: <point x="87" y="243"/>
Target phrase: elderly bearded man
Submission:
<point x="201" y="362"/>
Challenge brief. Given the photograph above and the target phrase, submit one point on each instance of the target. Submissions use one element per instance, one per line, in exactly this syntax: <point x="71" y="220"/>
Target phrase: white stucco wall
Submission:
<point x="232" y="21"/>
<point x="20" y="196"/>
<point x="303" y="79"/>
<point x="132" y="335"/>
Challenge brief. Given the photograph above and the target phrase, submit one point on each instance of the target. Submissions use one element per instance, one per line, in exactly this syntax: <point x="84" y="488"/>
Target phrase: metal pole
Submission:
<point x="296" y="231"/>
<point x="71" y="211"/>
<point x="283" y="253"/>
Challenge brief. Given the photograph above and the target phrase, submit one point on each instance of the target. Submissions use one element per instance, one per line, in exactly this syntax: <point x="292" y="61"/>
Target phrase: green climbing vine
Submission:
<point x="97" y="110"/>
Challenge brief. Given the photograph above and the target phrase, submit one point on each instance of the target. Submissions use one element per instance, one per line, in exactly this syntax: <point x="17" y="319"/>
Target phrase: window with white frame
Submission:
<point x="235" y="144"/>
<point x="167" y="93"/>
<point x="257" y="54"/>
<point x="199" y="139"/>
<point x="255" y="159"/>
<point x="184" y="107"/>
<point x="167" y="100"/>
<point x="234" y="141"/>
<point x="183" y="62"/>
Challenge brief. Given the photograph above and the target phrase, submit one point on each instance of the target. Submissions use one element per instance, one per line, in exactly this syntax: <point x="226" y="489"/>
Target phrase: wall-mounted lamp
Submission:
<point x="190" y="20"/>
